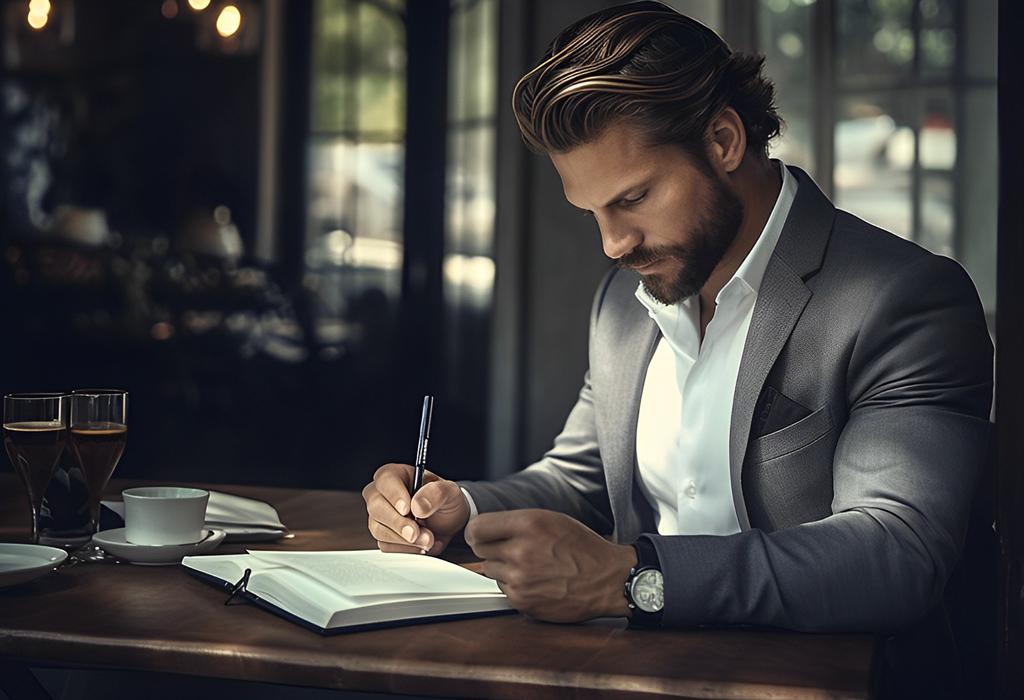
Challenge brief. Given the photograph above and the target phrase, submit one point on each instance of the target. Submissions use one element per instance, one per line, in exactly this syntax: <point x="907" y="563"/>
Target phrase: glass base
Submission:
<point x="89" y="554"/>
<point x="64" y="540"/>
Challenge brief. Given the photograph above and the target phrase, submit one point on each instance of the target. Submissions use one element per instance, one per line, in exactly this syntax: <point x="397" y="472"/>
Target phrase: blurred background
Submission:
<point x="279" y="223"/>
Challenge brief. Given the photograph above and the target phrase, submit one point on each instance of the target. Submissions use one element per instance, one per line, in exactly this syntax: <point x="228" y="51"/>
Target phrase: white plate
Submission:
<point x="23" y="562"/>
<point x="114" y="543"/>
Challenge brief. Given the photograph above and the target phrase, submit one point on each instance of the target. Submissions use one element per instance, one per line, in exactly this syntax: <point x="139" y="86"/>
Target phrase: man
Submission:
<point x="786" y="408"/>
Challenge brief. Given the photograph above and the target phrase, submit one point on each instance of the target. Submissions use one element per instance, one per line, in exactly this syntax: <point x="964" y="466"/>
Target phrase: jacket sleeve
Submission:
<point x="919" y="388"/>
<point x="570" y="477"/>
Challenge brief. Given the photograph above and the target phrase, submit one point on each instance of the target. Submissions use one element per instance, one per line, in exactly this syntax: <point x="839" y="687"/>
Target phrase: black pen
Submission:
<point x="424" y="442"/>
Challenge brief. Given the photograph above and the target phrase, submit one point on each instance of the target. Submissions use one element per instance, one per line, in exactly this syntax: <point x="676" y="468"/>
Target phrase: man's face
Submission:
<point x="658" y="212"/>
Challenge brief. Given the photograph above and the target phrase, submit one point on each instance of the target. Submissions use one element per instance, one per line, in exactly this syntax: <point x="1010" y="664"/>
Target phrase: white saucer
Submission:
<point x="114" y="543"/>
<point x="23" y="562"/>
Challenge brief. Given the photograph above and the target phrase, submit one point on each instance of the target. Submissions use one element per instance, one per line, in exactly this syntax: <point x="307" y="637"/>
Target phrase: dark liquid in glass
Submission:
<point x="98" y="447"/>
<point x="34" y="448"/>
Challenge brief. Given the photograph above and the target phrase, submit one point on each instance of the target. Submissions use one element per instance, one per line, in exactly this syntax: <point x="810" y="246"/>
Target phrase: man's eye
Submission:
<point x="635" y="200"/>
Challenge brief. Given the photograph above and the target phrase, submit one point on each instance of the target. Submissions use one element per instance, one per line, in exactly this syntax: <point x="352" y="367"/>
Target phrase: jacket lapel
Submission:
<point x="632" y="517"/>
<point x="780" y="301"/>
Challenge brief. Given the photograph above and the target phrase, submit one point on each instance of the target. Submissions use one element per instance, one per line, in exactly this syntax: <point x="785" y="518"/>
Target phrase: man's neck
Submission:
<point x="757" y="183"/>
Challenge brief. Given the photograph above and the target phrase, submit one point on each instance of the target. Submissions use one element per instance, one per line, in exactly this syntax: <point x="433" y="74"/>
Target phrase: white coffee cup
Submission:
<point x="164" y="514"/>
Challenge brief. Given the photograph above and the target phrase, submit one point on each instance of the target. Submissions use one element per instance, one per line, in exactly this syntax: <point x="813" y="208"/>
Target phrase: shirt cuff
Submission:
<point x="473" y="512"/>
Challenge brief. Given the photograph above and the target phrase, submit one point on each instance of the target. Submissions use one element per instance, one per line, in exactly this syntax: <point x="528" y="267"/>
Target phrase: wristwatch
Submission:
<point x="645" y="586"/>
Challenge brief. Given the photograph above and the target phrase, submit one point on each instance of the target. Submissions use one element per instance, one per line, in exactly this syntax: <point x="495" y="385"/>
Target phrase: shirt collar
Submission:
<point x="751" y="271"/>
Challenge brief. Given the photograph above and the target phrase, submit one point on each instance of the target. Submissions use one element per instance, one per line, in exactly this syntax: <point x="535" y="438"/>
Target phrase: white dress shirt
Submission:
<point x="682" y="437"/>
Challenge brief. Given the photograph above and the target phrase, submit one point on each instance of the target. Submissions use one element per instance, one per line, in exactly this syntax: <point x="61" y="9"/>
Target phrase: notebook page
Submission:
<point x="371" y="572"/>
<point x="227" y="567"/>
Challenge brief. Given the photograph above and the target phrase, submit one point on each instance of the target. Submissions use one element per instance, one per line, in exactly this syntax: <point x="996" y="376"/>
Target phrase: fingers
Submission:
<point x="387" y="505"/>
<point x="493" y="527"/>
<point x="383" y="517"/>
<point x="393" y="482"/>
<point x="500" y="572"/>
<point x="392" y="521"/>
<point x="421" y="538"/>
<point x="434" y="496"/>
<point x="499" y="550"/>
<point x="434" y="550"/>
<point x="399" y="548"/>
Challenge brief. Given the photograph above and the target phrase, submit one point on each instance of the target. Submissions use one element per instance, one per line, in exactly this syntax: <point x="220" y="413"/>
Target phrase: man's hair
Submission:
<point x="645" y="65"/>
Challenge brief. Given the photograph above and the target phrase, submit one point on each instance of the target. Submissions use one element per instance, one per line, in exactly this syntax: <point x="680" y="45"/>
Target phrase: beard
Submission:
<point x="714" y="232"/>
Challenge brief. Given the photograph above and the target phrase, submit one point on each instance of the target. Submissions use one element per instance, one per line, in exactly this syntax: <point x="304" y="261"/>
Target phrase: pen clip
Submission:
<point x="239" y="586"/>
<point x="426" y="417"/>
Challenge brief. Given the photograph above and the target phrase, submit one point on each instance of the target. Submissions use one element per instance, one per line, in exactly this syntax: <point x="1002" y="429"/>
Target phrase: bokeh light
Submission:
<point x="37" y="21"/>
<point x="228" y="21"/>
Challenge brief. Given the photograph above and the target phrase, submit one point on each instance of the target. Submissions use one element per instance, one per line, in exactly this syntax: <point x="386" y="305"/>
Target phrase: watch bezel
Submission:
<point x="635" y="575"/>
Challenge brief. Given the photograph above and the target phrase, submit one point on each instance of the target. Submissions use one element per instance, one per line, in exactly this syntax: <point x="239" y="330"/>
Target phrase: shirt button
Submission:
<point x="691" y="490"/>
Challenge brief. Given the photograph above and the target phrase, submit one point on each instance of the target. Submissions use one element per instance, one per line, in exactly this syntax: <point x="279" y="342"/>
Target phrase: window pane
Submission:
<point x="332" y="84"/>
<point x="473" y="52"/>
<point x="469" y="214"/>
<point x="483" y="20"/>
<point x="938" y="132"/>
<point x="976" y="241"/>
<point x="381" y="170"/>
<point x="354" y="236"/>
<point x="937" y="153"/>
<point x="458" y="63"/>
<point x="785" y="40"/>
<point x="874" y="159"/>
<point x="938" y="39"/>
<point x="937" y="214"/>
<point x="358" y="68"/>
<point x="980" y="38"/>
<point x="468" y="265"/>
<point x="382" y="105"/>
<point x="381" y="81"/>
<point x="381" y="40"/>
<point x="331" y="186"/>
<point x="874" y="39"/>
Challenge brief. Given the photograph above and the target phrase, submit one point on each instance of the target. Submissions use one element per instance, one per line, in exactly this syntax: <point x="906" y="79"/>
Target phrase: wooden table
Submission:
<point x="164" y="620"/>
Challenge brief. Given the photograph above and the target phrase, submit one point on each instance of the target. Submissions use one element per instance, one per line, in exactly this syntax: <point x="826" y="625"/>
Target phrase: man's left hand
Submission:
<point x="551" y="566"/>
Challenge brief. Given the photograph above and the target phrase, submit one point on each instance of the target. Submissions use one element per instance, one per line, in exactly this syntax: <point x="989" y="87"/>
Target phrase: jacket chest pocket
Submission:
<point x="787" y="478"/>
<point x="791" y="438"/>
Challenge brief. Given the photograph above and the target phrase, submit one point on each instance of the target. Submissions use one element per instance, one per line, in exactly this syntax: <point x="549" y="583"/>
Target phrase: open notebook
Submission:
<point x="348" y="590"/>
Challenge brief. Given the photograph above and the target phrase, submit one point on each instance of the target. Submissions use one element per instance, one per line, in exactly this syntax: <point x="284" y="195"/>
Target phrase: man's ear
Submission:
<point x="728" y="140"/>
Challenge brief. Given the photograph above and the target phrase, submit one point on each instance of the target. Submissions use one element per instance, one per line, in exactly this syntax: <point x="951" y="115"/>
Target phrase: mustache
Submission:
<point x="642" y="256"/>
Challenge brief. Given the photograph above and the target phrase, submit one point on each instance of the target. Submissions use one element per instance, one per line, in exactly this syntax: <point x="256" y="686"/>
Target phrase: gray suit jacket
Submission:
<point x="859" y="427"/>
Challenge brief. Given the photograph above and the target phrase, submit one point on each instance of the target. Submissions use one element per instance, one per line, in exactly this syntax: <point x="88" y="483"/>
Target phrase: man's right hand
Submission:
<point x="439" y="504"/>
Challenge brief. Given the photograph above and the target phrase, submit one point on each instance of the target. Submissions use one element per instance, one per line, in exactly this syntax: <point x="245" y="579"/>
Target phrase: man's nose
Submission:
<point x="618" y="239"/>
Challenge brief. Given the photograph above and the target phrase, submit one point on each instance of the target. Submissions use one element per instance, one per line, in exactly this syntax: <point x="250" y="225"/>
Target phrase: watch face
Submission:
<point x="648" y="590"/>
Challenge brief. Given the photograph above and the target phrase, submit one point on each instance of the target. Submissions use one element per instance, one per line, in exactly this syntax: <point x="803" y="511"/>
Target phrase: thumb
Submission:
<point x="433" y="497"/>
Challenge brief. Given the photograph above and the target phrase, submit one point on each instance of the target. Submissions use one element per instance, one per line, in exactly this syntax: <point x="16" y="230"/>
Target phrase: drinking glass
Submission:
<point x="98" y="433"/>
<point x="35" y="432"/>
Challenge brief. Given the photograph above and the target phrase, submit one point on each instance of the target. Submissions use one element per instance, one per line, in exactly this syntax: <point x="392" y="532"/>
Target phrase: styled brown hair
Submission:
<point x="646" y="65"/>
